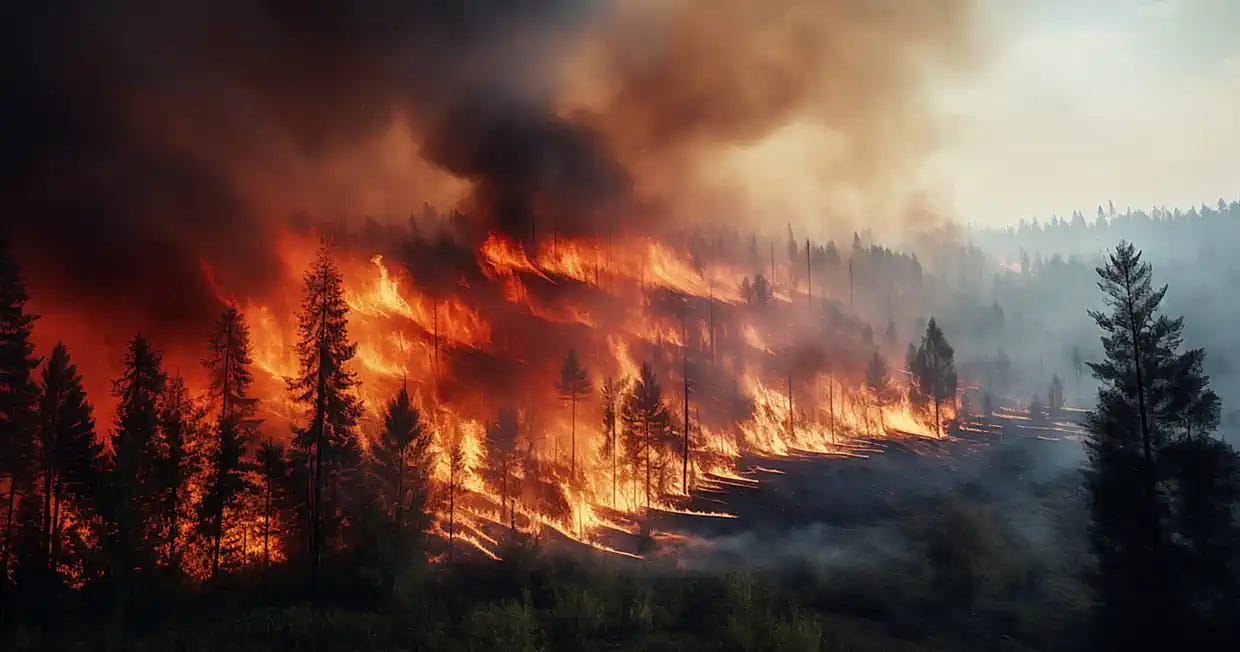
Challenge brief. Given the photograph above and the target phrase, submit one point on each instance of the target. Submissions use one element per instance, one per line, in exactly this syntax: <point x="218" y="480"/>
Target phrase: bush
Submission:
<point x="509" y="625"/>
<point x="579" y="614"/>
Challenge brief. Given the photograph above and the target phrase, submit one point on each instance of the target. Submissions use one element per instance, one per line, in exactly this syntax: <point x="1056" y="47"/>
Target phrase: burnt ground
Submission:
<point x="1018" y="468"/>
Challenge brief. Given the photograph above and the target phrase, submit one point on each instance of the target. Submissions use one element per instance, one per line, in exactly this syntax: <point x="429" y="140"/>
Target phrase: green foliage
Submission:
<point x="965" y="550"/>
<point x="1162" y="496"/>
<point x="647" y="426"/>
<point x="933" y="374"/>
<point x="510" y="625"/>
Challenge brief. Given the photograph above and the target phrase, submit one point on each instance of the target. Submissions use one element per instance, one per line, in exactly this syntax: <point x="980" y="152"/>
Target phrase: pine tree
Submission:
<point x="501" y="444"/>
<point x="328" y="444"/>
<point x="1037" y="409"/>
<point x="1160" y="490"/>
<point x="878" y="382"/>
<point x="611" y="394"/>
<point x="574" y="382"/>
<point x="762" y="291"/>
<point x="133" y="486"/>
<point x="1054" y="396"/>
<point x="1077" y="364"/>
<point x="68" y="448"/>
<point x="933" y="372"/>
<point x="401" y="459"/>
<point x="647" y="424"/>
<point x="456" y="477"/>
<point x="17" y="402"/>
<point x="229" y="378"/>
<point x="179" y="421"/>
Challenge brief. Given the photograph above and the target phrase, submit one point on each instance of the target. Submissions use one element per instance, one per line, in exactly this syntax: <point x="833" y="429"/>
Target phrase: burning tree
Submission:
<point x="228" y="370"/>
<point x="878" y="382"/>
<point x="647" y="425"/>
<point x="327" y="447"/>
<point x="271" y="468"/>
<point x="933" y="374"/>
<point x="574" y="382"/>
<point x="612" y="394"/>
<point x="456" y="478"/>
<point x="503" y="459"/>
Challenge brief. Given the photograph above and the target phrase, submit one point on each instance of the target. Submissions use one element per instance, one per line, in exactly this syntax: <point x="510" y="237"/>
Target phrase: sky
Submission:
<point x="1077" y="103"/>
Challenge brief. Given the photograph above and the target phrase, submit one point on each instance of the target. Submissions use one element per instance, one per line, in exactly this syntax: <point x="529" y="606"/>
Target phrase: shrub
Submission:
<point x="510" y="626"/>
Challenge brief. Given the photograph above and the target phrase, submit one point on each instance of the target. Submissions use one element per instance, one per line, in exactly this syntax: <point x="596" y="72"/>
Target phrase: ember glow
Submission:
<point x="565" y="197"/>
<point x="493" y="337"/>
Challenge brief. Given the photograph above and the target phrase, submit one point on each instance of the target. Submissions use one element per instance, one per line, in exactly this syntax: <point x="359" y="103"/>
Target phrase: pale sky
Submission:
<point x="1081" y="102"/>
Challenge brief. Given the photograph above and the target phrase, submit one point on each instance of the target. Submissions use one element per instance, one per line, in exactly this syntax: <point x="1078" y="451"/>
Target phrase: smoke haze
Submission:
<point x="149" y="141"/>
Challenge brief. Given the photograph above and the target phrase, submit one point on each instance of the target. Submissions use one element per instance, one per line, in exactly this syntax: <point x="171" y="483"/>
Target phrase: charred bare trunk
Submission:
<point x="45" y="547"/>
<point x="572" y="467"/>
<point x="267" y="523"/>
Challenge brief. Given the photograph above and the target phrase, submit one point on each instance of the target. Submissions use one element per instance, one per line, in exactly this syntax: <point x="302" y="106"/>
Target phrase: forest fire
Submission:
<point x="557" y="342"/>
<point x="492" y="338"/>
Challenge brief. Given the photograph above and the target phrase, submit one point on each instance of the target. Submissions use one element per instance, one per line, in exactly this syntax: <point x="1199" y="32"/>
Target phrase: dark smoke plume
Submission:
<point x="147" y="140"/>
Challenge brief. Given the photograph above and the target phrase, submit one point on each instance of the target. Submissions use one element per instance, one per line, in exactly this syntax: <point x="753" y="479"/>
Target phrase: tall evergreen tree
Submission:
<point x="502" y="458"/>
<point x="68" y="448"/>
<point x="1054" y="396"/>
<point x="574" y="383"/>
<point x="401" y="463"/>
<point x="1160" y="491"/>
<point x="647" y="424"/>
<point x="878" y="382"/>
<point x="179" y="421"/>
<point x="933" y="372"/>
<point x="612" y="393"/>
<point x="328" y="444"/>
<point x="228" y="370"/>
<point x="17" y="402"/>
<point x="131" y="507"/>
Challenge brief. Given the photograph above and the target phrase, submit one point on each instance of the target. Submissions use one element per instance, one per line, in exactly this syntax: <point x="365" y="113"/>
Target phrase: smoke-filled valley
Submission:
<point x="579" y="325"/>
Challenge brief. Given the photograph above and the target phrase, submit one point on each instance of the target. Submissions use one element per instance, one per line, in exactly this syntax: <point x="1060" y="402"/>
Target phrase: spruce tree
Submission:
<point x="611" y="393"/>
<point x="179" y="425"/>
<point x="501" y="445"/>
<point x="1163" y="494"/>
<point x="647" y="425"/>
<point x="574" y="383"/>
<point x="17" y="403"/>
<point x="328" y="444"/>
<point x="401" y="459"/>
<point x="1054" y="396"/>
<point x="68" y="449"/>
<point x="933" y="372"/>
<point x="131" y="507"/>
<point x="229" y="378"/>
<point x="878" y="382"/>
